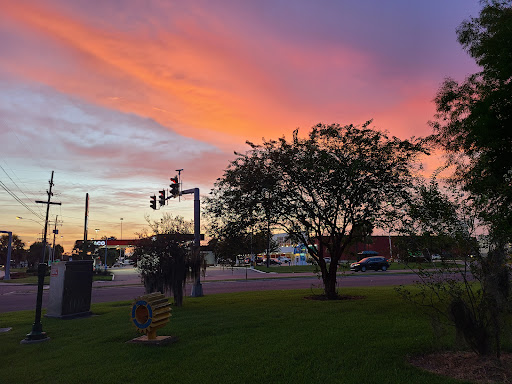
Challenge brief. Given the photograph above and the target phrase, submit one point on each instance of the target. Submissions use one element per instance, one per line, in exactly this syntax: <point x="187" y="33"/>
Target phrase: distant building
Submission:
<point x="384" y="245"/>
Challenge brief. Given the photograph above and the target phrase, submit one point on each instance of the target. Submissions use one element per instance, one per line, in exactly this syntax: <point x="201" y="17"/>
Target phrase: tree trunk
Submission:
<point x="328" y="276"/>
<point x="330" y="285"/>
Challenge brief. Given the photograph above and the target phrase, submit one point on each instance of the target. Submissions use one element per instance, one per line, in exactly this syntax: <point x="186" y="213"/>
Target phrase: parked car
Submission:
<point x="284" y="260"/>
<point x="374" y="263"/>
<point x="435" y="257"/>
<point x="273" y="261"/>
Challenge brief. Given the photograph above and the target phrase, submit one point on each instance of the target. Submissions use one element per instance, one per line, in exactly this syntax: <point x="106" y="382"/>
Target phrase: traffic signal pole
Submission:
<point x="175" y="191"/>
<point x="197" y="288"/>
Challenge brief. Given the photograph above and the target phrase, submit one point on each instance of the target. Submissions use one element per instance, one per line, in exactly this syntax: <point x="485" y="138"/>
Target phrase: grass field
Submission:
<point x="314" y="268"/>
<point x="251" y="337"/>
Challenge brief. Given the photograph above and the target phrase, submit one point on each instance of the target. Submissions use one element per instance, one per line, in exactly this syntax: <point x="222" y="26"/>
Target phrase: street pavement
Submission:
<point x="127" y="285"/>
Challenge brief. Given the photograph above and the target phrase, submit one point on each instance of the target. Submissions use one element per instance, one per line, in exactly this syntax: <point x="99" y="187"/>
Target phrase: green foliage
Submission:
<point x="459" y="295"/>
<point x="439" y="220"/>
<point x="474" y="117"/>
<point x="473" y="123"/>
<point x="472" y="296"/>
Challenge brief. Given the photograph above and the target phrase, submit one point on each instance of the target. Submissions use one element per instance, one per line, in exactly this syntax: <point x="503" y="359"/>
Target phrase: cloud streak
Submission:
<point x="114" y="96"/>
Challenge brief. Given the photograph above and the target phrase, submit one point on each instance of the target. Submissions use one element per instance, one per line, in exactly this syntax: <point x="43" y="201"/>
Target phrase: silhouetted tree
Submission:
<point x="328" y="189"/>
<point x="18" y="251"/>
<point x="473" y="124"/>
<point x="164" y="261"/>
<point x="228" y="246"/>
<point x="474" y="118"/>
<point x="35" y="251"/>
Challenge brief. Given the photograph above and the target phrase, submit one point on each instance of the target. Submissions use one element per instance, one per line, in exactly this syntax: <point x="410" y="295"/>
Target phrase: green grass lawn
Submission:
<point x="313" y="268"/>
<point x="33" y="279"/>
<point x="251" y="337"/>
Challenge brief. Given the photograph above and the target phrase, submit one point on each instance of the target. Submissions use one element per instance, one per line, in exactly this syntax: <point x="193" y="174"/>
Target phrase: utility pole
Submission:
<point x="85" y="224"/>
<point x="37" y="334"/>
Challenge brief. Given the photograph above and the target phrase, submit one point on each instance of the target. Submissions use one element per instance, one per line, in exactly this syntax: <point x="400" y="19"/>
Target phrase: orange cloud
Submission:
<point x="210" y="85"/>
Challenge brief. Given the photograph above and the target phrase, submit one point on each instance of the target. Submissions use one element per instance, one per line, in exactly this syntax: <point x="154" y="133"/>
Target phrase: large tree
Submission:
<point x="164" y="260"/>
<point x="325" y="190"/>
<point x="35" y="251"/>
<point x="474" y="125"/>
<point x="17" y="249"/>
<point x="474" y="118"/>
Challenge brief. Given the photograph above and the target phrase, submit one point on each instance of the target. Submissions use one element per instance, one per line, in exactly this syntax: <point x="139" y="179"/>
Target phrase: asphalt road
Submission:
<point x="127" y="285"/>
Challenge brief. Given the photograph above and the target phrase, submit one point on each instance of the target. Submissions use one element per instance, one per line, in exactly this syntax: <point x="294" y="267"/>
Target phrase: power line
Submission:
<point x="20" y="201"/>
<point x="3" y="169"/>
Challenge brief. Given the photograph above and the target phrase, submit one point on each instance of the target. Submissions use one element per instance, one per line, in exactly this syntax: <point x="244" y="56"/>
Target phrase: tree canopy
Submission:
<point x="473" y="124"/>
<point x="17" y="248"/>
<point x="163" y="262"/>
<point x="474" y="118"/>
<point x="227" y="246"/>
<point x="325" y="190"/>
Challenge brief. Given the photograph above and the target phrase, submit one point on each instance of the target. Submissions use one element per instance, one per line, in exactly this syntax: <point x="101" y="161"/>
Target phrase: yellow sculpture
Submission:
<point x="149" y="313"/>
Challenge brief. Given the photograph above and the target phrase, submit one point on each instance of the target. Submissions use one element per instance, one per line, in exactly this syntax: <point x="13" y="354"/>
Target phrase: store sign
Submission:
<point x="102" y="242"/>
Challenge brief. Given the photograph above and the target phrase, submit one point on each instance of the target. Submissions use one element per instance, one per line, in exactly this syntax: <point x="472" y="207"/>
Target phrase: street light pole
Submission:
<point x="26" y="218"/>
<point x="197" y="288"/>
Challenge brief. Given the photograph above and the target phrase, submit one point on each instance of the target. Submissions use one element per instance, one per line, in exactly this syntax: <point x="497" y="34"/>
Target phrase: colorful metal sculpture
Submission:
<point x="150" y="312"/>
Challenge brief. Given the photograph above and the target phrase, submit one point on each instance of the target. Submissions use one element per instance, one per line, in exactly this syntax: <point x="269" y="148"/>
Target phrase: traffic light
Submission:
<point x="161" y="197"/>
<point x="152" y="201"/>
<point x="175" y="187"/>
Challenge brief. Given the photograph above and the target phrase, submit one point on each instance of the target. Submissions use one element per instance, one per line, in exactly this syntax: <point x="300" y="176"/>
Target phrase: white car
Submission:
<point x="435" y="257"/>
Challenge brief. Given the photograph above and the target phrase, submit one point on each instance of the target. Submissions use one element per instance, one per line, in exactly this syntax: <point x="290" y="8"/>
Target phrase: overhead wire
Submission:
<point x="20" y="201"/>
<point x="24" y="194"/>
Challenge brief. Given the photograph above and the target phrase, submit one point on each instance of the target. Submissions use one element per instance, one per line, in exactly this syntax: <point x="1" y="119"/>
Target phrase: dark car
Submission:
<point x="374" y="263"/>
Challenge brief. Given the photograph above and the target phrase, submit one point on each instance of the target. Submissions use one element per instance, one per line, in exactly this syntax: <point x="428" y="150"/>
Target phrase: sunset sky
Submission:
<point x="114" y="96"/>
